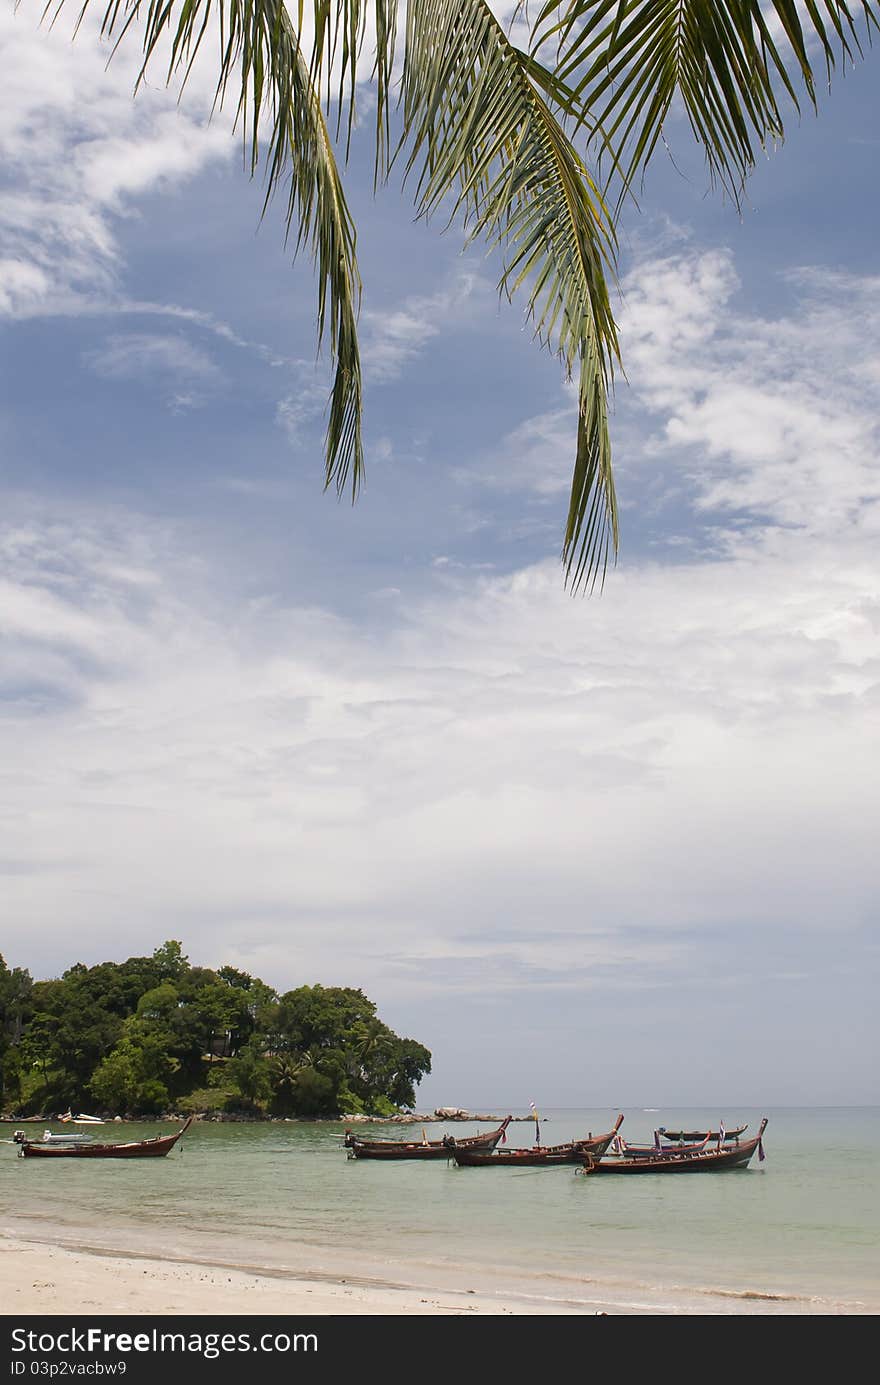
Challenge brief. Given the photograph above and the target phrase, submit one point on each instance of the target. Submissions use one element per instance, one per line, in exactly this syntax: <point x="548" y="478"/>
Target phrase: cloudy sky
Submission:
<point x="616" y="850"/>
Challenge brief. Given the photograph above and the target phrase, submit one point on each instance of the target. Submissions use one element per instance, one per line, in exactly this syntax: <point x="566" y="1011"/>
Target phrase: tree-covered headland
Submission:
<point x="154" y="1034"/>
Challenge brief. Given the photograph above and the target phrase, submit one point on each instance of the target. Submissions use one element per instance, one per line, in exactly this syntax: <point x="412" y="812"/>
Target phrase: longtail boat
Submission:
<point x="621" y="1148"/>
<point x="572" y="1152"/>
<point x="420" y="1149"/>
<point x="698" y="1136"/>
<point x="154" y="1148"/>
<point x="685" y="1160"/>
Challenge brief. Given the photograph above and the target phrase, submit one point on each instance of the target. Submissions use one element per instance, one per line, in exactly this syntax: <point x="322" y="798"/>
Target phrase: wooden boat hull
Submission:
<point x="415" y="1149"/>
<point x="705" y="1161"/>
<point x="434" y="1150"/>
<point x="698" y="1136"/>
<point x="155" y="1148"/>
<point x="626" y="1151"/>
<point x="539" y="1156"/>
<point x="518" y="1158"/>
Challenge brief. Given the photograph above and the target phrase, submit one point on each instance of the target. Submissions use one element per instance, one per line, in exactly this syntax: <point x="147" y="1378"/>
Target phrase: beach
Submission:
<point x="274" y="1219"/>
<point x="44" y="1279"/>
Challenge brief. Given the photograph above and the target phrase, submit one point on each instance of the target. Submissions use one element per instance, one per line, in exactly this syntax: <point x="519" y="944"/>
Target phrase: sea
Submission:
<point x="795" y="1233"/>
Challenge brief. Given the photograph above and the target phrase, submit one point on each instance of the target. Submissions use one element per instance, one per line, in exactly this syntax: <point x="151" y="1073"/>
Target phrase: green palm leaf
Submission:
<point x="483" y="134"/>
<point x="484" y="143"/>
<point x="278" y="91"/>
<point x="731" y="63"/>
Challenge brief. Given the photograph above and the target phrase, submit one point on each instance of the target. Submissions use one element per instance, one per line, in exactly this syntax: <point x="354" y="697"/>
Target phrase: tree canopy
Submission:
<point x="500" y="136"/>
<point x="153" y="1033"/>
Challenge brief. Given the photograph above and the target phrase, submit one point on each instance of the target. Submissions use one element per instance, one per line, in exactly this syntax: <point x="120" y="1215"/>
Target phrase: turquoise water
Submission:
<point x="804" y="1224"/>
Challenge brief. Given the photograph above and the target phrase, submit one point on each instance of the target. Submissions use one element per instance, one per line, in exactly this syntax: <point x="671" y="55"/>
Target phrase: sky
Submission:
<point x="612" y="850"/>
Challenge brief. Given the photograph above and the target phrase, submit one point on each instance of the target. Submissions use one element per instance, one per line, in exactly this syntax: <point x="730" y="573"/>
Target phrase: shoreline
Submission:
<point x="41" y="1277"/>
<point x="241" y="1118"/>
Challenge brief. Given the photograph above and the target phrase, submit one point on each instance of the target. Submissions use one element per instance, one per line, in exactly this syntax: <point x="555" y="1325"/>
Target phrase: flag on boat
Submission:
<point x="537" y="1126"/>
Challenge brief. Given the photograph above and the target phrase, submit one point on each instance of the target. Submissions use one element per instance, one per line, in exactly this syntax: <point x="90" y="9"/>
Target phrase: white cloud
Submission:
<point x="76" y="149"/>
<point x="775" y="416"/>
<point x="772" y="418"/>
<point x="298" y="412"/>
<point x="495" y="791"/>
<point x="392" y="337"/>
<point x="22" y="286"/>
<point x="498" y="788"/>
<point x="536" y="456"/>
<point x="271" y="783"/>
<point x="172" y="362"/>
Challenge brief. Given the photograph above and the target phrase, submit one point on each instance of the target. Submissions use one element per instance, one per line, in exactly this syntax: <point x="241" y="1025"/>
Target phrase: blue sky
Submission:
<point x="611" y="850"/>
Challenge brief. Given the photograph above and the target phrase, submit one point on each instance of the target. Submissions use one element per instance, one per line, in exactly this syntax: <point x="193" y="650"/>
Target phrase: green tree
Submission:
<point x="240" y="980"/>
<point x="170" y="961"/>
<point x="138" y="1035"/>
<point x="250" y="1075"/>
<point x="407" y="1063"/>
<point x="174" y="1017"/>
<point x="224" y="1012"/>
<point x="16" y="990"/>
<point x="71" y="1031"/>
<point x="322" y="1016"/>
<point x="308" y="1084"/>
<point x="381" y="1065"/>
<point x="499" y="138"/>
<point x="251" y="999"/>
<point x="135" y="1077"/>
<point x="315" y="1093"/>
<point x="285" y="1073"/>
<point x="160" y="1004"/>
<point x="77" y="1020"/>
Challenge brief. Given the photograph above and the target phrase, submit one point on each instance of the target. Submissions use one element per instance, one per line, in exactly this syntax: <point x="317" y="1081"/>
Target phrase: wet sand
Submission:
<point x="39" y="1278"/>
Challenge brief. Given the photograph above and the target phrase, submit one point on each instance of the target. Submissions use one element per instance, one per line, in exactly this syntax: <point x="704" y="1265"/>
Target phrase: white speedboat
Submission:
<point x="51" y="1137"/>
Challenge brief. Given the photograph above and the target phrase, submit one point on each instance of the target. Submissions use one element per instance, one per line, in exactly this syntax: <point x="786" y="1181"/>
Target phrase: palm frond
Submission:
<point x="339" y="33"/>
<point x="733" y="63"/>
<point x="484" y="143"/>
<point x="484" y="135"/>
<point x="277" y="88"/>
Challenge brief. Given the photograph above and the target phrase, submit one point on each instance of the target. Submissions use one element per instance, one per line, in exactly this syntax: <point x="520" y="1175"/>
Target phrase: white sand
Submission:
<point x="42" y="1279"/>
<point x="39" y="1278"/>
